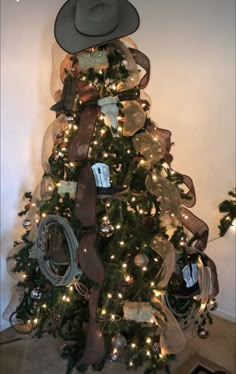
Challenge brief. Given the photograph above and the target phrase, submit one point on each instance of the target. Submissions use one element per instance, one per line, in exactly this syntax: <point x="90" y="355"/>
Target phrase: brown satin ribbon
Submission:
<point x="85" y="213"/>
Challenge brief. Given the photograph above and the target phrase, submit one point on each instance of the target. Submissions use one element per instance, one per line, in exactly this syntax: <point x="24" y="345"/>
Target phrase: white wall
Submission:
<point x="191" y="47"/>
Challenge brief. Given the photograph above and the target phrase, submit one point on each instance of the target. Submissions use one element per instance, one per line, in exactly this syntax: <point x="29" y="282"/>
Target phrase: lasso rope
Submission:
<point x="39" y="251"/>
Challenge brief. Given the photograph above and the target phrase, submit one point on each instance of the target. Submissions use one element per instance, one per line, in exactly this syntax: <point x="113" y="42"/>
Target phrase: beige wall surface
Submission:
<point x="191" y="46"/>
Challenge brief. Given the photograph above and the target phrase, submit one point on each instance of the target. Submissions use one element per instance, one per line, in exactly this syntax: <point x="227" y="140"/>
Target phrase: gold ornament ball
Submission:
<point x="141" y="260"/>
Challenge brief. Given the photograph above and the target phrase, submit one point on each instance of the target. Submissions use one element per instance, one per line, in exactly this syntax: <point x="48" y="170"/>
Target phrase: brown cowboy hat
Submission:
<point x="82" y="24"/>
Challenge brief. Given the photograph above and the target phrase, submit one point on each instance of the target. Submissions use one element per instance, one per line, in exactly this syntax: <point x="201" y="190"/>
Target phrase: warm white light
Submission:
<point x="64" y="298"/>
<point x="141" y="211"/>
<point x="109" y="295"/>
<point x="133" y="199"/>
<point x="35" y="321"/>
<point x="113" y="257"/>
<point x="130" y="363"/>
<point x="144" y="268"/>
<point x="44" y="215"/>
<point x="44" y="306"/>
<point x="104" y="312"/>
<point x="233" y="227"/>
<point x="103" y="132"/>
<point x="71" y="288"/>
<point x="105" y="155"/>
<point x="133" y="345"/>
<point x="95" y="142"/>
<point x="120" y="295"/>
<point x="118" y="227"/>
<point x="122" y="243"/>
<point x="120" y="128"/>
<point x="157" y="293"/>
<point x="148" y="340"/>
<point x="152" y="284"/>
<point x="129" y="151"/>
<point x="105" y="218"/>
<point x="124" y="266"/>
<point x="148" y="353"/>
<point x="127" y="278"/>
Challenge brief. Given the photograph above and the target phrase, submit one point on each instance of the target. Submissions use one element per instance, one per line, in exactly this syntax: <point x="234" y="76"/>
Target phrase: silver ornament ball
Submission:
<point x="35" y="294"/>
<point x="141" y="260"/>
<point x="203" y="332"/>
<point x="27" y="224"/>
<point x="69" y="119"/>
<point x="118" y="341"/>
<point x="106" y="230"/>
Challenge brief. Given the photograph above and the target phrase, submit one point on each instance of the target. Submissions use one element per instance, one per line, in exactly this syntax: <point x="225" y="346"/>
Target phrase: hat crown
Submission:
<point x="96" y="17"/>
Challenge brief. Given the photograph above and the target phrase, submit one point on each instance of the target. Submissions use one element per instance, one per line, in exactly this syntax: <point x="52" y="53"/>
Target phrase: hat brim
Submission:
<point x="72" y="41"/>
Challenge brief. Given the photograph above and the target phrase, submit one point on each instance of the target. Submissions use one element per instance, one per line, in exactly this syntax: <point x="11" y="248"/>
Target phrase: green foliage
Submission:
<point x="228" y="207"/>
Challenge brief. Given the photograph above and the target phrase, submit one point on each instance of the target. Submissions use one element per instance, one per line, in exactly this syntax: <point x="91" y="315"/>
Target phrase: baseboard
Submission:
<point x="222" y="314"/>
<point x="4" y="325"/>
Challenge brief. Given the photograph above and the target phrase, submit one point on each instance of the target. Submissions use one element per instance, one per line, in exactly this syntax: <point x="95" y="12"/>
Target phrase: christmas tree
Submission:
<point x="112" y="260"/>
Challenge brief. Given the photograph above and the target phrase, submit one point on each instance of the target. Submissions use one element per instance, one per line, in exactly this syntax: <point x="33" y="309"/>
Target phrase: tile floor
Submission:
<point x="40" y="356"/>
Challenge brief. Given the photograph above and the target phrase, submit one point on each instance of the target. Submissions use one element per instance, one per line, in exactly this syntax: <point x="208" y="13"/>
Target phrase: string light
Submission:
<point x="148" y="353"/>
<point x="148" y="340"/>
<point x="124" y="266"/>
<point x="109" y="295"/>
<point x="44" y="306"/>
<point x="113" y="257"/>
<point x="131" y="363"/>
<point x="118" y="227"/>
<point x="133" y="345"/>
<point x="122" y="243"/>
<point x="157" y="293"/>
<point x="120" y="295"/>
<point x="144" y="268"/>
<point x="35" y="321"/>
<point x="104" y="312"/>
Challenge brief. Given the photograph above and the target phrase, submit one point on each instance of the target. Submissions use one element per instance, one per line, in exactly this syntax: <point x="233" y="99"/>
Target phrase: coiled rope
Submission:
<point x="39" y="251"/>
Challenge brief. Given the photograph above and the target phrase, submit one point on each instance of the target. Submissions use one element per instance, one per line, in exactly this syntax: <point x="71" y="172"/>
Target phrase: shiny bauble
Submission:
<point x="69" y="119"/>
<point x="118" y="341"/>
<point x="156" y="348"/>
<point x="106" y="230"/>
<point x="27" y="224"/>
<point x="203" y="332"/>
<point x="35" y="294"/>
<point x="114" y="357"/>
<point x="141" y="260"/>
